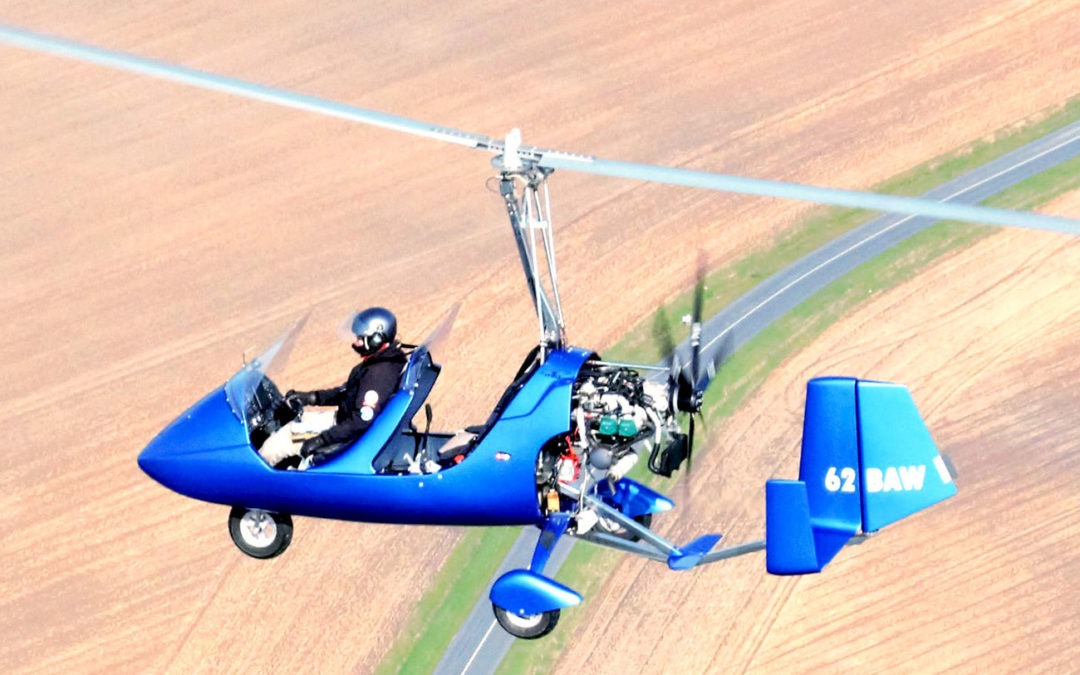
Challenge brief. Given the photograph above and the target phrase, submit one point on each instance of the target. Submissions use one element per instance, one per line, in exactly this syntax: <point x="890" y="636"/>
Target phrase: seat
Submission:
<point x="407" y="441"/>
<point x="417" y="379"/>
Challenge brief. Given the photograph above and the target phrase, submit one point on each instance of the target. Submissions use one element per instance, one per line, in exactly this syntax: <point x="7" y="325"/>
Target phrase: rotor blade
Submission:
<point x="699" y="288"/>
<point x="695" y="353"/>
<point x="547" y="158"/>
<point x="811" y="193"/>
<point x="690" y="448"/>
<point x="135" y="64"/>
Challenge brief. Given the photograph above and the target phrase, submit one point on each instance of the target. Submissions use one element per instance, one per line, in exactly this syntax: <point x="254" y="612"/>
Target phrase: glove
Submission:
<point x="311" y="446"/>
<point x="301" y="397"/>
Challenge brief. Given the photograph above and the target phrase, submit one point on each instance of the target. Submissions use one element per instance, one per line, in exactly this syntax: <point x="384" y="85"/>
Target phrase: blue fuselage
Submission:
<point x="206" y="454"/>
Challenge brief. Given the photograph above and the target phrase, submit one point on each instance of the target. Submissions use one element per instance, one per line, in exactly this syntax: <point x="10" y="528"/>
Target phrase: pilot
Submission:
<point x="359" y="400"/>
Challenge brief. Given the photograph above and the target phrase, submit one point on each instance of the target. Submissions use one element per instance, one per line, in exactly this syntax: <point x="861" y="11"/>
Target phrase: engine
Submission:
<point x="615" y="415"/>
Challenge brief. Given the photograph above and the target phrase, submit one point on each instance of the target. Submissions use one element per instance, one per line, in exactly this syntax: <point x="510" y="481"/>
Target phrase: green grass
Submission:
<point x="1040" y="189"/>
<point x="467" y="571"/>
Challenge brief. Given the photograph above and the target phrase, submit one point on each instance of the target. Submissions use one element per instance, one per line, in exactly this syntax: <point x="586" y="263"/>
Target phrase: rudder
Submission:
<point x="902" y="471"/>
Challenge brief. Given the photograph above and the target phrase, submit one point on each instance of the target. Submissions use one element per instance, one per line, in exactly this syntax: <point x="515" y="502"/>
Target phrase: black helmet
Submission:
<point x="373" y="328"/>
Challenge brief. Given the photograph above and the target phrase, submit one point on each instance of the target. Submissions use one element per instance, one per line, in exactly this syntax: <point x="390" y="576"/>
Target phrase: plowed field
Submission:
<point x="151" y="234"/>
<point x="986" y="341"/>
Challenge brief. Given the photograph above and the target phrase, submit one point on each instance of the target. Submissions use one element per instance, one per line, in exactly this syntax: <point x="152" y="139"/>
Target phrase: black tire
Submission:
<point x="527" y="627"/>
<point x="260" y="534"/>
<point x="613" y="528"/>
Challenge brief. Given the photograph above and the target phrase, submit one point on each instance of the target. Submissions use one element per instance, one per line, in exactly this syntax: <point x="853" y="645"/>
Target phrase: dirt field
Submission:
<point x="152" y="233"/>
<point x="987" y="342"/>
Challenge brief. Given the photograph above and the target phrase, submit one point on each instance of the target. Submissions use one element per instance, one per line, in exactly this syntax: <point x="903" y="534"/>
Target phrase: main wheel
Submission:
<point x="614" y="528"/>
<point x="526" y="627"/>
<point x="258" y="533"/>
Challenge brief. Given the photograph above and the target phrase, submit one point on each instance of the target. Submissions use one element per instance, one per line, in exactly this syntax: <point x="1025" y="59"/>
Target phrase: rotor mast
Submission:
<point x="523" y="186"/>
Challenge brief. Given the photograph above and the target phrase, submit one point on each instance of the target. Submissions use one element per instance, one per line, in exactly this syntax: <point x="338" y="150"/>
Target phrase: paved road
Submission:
<point x="480" y="644"/>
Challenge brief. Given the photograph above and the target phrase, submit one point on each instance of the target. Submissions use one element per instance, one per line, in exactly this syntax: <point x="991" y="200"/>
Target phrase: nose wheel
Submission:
<point x="258" y="533"/>
<point x="527" y="627"/>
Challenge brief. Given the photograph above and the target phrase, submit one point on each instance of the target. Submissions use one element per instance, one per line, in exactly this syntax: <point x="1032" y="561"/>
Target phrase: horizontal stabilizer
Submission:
<point x="867" y="461"/>
<point x="690" y="555"/>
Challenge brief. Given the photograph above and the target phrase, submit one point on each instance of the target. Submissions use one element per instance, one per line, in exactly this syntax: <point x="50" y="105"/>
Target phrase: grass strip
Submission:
<point x="446" y="605"/>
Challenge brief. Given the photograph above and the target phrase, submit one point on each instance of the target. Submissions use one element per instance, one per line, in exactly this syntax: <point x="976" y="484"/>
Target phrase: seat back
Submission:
<point x="417" y="379"/>
<point x="528" y="367"/>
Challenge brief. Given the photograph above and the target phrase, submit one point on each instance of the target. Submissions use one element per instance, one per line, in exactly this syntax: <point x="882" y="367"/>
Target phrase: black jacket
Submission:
<point x="359" y="400"/>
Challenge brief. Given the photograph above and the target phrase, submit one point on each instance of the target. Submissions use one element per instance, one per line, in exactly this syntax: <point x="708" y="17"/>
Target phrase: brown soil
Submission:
<point x="152" y="233"/>
<point x="986" y="340"/>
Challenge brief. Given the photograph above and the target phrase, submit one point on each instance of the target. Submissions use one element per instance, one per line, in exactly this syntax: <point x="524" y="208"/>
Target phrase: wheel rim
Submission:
<point x="611" y="527"/>
<point x="617" y="529"/>
<point x="524" y="622"/>
<point x="258" y="529"/>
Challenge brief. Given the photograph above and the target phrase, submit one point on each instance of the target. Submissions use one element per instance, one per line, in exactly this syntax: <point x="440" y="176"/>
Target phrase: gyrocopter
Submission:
<point x="555" y="450"/>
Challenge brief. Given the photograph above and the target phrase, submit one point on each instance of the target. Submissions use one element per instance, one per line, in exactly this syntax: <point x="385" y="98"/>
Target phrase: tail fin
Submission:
<point x="867" y="461"/>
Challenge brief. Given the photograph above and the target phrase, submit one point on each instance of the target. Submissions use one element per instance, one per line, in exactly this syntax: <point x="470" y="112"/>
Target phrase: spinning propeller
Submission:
<point x="512" y="154"/>
<point x="687" y="382"/>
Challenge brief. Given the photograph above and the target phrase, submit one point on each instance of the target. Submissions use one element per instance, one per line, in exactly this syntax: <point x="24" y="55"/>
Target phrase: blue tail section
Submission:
<point x="902" y="472"/>
<point x="867" y="461"/>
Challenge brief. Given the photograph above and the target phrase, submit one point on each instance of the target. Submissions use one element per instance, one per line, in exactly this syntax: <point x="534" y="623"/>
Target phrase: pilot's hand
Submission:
<point x="301" y="397"/>
<point x="311" y="446"/>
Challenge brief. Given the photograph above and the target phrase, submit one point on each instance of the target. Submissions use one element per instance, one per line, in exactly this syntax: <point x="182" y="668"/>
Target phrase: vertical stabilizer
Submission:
<point x="823" y="507"/>
<point x="867" y="461"/>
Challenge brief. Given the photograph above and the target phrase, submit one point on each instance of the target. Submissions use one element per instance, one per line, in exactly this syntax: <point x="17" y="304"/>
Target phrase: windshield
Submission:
<point x="437" y="339"/>
<point x="243" y="386"/>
